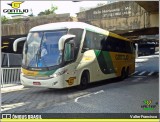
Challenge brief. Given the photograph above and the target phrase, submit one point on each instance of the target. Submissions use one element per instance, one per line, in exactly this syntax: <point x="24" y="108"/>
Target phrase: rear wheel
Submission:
<point x="123" y="74"/>
<point x="127" y="72"/>
<point x="84" y="80"/>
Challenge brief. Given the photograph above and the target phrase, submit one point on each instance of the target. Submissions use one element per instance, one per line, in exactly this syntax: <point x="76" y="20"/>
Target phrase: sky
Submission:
<point x="63" y="6"/>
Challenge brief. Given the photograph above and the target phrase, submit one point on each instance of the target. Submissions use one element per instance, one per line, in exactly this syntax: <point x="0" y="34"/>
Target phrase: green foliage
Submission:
<point x="4" y="19"/>
<point x="17" y="20"/>
<point x="48" y="11"/>
<point x="31" y="15"/>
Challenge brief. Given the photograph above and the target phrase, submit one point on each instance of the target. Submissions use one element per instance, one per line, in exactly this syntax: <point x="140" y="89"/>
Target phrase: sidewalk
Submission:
<point x="11" y="88"/>
<point x="10" y="85"/>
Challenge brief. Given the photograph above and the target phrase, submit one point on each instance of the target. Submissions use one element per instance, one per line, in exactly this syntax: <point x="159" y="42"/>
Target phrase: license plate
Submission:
<point x="36" y="83"/>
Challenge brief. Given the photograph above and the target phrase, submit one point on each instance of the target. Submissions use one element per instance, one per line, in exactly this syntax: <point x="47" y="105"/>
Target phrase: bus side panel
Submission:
<point x="103" y="65"/>
<point x="121" y="60"/>
<point x="87" y="62"/>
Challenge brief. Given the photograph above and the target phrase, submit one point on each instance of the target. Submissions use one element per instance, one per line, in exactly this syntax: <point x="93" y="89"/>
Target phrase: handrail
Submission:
<point x="10" y="75"/>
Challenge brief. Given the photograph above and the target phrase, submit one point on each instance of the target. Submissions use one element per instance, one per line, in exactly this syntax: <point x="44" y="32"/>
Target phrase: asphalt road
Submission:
<point x="110" y="96"/>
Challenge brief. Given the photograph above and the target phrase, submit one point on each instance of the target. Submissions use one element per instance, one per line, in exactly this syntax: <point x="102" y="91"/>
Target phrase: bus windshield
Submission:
<point x="41" y="49"/>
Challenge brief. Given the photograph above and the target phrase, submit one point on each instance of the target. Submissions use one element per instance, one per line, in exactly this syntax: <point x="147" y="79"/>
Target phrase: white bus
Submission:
<point x="65" y="54"/>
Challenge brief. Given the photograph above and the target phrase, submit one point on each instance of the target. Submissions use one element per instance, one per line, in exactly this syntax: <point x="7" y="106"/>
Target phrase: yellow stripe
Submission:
<point x="5" y="42"/>
<point x="117" y="36"/>
<point x="29" y="73"/>
<point x="4" y="47"/>
<point x="80" y="120"/>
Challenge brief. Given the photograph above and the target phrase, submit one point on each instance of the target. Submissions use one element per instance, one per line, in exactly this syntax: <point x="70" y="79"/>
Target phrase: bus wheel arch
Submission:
<point x="84" y="80"/>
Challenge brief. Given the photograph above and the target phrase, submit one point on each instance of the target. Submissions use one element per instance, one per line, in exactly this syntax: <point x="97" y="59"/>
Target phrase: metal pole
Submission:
<point x="8" y="60"/>
<point x="2" y="77"/>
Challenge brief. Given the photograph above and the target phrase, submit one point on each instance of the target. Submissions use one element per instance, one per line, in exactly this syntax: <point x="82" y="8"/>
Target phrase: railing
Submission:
<point x="10" y="76"/>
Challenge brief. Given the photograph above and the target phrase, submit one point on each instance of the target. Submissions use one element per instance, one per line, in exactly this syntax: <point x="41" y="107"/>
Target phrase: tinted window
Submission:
<point x="102" y="42"/>
<point x="93" y="40"/>
<point x="117" y="45"/>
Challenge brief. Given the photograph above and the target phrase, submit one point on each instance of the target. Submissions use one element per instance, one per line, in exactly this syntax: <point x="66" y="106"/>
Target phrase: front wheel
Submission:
<point x="84" y="81"/>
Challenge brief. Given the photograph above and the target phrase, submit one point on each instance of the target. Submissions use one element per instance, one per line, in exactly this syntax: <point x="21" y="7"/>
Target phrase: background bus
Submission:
<point x="146" y="49"/>
<point x="66" y="54"/>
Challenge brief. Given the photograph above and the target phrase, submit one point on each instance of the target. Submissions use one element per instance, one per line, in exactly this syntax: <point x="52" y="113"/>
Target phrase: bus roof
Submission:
<point x="68" y="25"/>
<point x="64" y="25"/>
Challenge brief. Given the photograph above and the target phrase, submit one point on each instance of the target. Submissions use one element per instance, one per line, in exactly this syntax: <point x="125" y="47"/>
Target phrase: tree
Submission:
<point x="4" y="19"/>
<point x="82" y="9"/>
<point x="49" y="11"/>
<point x="31" y="14"/>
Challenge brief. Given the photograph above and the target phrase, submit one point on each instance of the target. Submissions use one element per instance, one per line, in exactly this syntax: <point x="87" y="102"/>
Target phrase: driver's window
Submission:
<point x="69" y="52"/>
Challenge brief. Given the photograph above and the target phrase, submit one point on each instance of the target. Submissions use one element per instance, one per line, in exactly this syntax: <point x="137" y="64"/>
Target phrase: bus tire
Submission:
<point x="84" y="80"/>
<point x="127" y="72"/>
<point x="123" y="74"/>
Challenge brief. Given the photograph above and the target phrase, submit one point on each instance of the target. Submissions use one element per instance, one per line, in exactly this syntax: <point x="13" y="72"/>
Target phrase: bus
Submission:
<point x="65" y="54"/>
<point x="146" y="49"/>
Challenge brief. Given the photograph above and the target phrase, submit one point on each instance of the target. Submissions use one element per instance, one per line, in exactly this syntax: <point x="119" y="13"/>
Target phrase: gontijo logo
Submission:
<point x="15" y="5"/>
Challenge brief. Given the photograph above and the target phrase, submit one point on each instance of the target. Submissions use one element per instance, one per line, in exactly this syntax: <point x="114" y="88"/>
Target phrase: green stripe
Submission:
<point x="16" y="13"/>
<point x="104" y="61"/>
<point x="148" y="109"/>
<point x="46" y="73"/>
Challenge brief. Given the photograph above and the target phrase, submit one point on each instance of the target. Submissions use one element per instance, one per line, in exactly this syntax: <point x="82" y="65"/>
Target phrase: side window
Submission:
<point x="117" y="45"/>
<point x="94" y="40"/>
<point x="77" y="39"/>
<point x="78" y="33"/>
<point x="88" y="41"/>
<point x="133" y="47"/>
<point x="128" y="47"/>
<point x="98" y="42"/>
<point x="106" y="44"/>
<point x="110" y="44"/>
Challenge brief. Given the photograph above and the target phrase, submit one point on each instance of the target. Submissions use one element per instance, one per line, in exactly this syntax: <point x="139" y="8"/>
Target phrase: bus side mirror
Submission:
<point x="64" y="39"/>
<point x="17" y="41"/>
<point x="69" y="51"/>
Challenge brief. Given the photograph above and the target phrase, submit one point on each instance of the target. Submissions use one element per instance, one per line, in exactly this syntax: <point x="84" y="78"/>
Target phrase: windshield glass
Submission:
<point x="41" y="49"/>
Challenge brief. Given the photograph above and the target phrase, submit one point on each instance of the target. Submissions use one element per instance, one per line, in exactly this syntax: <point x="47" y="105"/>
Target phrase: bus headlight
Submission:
<point x="54" y="75"/>
<point x="58" y="73"/>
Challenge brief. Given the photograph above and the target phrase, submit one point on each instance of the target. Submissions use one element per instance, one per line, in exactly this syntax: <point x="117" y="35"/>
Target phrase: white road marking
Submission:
<point x="135" y="72"/>
<point x="139" y="76"/>
<point x="76" y="100"/>
<point x="13" y="88"/>
<point x="142" y="73"/>
<point x="99" y="92"/>
<point x="150" y="73"/>
<point x="12" y="106"/>
<point x="87" y="95"/>
<point x="137" y="79"/>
